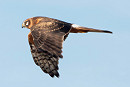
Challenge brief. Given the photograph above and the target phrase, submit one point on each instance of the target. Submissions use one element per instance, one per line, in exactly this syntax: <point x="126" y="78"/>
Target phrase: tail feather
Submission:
<point x="79" y="29"/>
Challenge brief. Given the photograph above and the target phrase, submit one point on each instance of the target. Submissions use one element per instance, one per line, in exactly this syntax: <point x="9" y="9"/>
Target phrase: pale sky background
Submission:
<point x="90" y="60"/>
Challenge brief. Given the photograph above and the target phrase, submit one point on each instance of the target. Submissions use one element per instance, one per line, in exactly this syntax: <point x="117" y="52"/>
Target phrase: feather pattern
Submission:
<point x="46" y="48"/>
<point x="50" y="38"/>
<point x="47" y="62"/>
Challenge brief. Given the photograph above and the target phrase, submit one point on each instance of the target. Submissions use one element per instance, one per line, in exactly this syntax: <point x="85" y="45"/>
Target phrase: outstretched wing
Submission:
<point x="46" y="48"/>
<point x="47" y="63"/>
<point x="49" y="36"/>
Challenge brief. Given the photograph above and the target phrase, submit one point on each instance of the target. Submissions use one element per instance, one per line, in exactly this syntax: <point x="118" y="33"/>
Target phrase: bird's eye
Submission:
<point x="27" y="23"/>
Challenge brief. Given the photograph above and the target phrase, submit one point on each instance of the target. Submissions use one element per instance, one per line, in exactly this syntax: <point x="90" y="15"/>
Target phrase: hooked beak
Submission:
<point x="23" y="25"/>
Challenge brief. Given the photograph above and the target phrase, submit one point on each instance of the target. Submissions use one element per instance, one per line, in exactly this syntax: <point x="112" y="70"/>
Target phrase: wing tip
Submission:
<point x="54" y="74"/>
<point x="57" y="75"/>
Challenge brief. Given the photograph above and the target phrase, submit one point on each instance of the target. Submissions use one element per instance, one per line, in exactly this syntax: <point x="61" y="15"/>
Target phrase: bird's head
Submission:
<point x="28" y="23"/>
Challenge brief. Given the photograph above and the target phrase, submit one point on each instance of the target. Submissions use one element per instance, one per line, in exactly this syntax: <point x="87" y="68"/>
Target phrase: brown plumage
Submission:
<point x="46" y="39"/>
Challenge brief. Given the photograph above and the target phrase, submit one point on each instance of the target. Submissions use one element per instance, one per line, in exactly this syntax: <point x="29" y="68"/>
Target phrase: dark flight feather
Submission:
<point x="48" y="37"/>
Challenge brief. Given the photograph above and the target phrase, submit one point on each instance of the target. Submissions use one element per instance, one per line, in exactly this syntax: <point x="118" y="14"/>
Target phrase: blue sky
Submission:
<point x="90" y="60"/>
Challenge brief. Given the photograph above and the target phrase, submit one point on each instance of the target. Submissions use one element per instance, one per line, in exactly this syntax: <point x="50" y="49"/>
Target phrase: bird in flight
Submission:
<point x="46" y="38"/>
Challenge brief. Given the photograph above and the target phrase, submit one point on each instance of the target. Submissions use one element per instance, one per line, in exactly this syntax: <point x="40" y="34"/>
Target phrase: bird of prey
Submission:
<point x="46" y="38"/>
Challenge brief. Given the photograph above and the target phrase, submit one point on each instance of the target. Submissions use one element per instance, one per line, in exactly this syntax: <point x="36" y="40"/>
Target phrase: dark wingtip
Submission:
<point x="60" y="56"/>
<point x="54" y="74"/>
<point x="57" y="75"/>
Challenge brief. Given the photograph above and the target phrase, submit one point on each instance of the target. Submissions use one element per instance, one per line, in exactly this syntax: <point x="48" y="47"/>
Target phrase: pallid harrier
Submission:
<point x="46" y="38"/>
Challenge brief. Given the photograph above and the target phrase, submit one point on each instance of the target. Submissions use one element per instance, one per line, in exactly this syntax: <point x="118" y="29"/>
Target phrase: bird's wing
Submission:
<point x="46" y="47"/>
<point x="47" y="63"/>
<point x="49" y="36"/>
